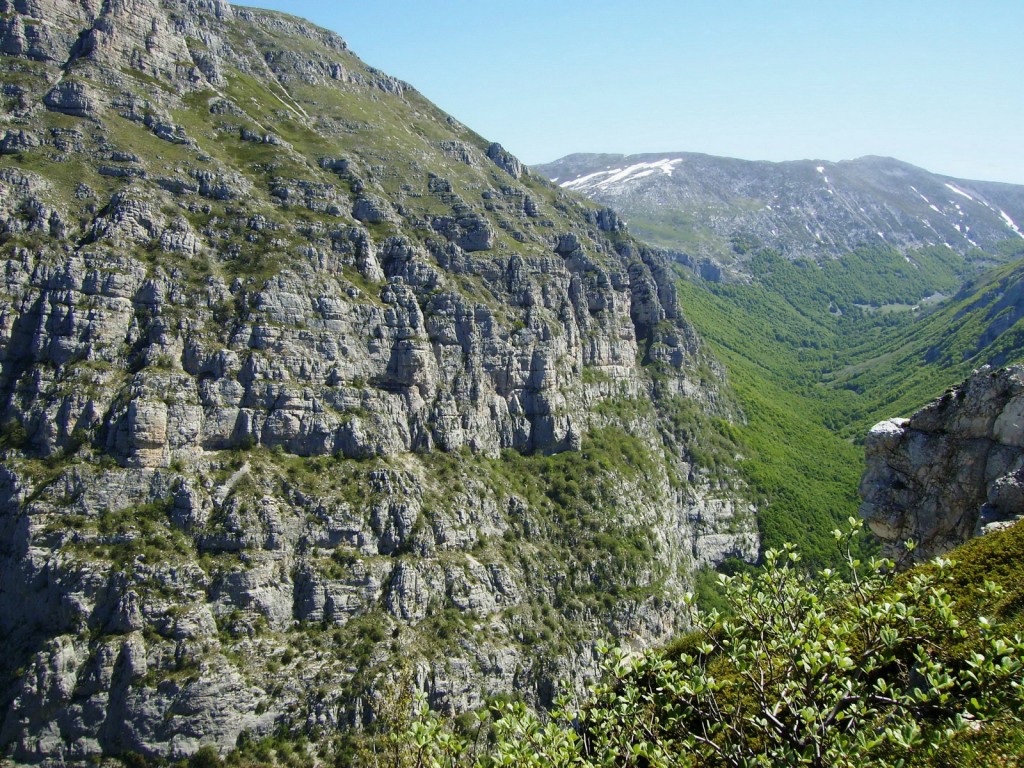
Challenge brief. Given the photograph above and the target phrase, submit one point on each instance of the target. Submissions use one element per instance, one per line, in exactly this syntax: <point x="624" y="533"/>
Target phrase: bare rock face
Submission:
<point x="309" y="396"/>
<point x="951" y="471"/>
<point x="71" y="98"/>
<point x="505" y="160"/>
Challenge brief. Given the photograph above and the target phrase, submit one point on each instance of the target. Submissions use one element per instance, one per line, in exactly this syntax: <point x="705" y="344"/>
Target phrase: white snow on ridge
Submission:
<point x="820" y="169"/>
<point x="639" y="170"/>
<point x="959" y="191"/>
<point x="620" y="175"/>
<point x="583" y="181"/>
<point x="1010" y="223"/>
<point x="648" y="172"/>
<point x="929" y="202"/>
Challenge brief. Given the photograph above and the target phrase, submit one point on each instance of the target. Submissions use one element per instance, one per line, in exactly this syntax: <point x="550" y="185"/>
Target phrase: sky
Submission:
<point x="937" y="83"/>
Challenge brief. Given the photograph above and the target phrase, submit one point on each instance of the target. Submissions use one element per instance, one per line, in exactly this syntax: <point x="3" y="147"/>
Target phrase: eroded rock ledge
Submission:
<point x="952" y="471"/>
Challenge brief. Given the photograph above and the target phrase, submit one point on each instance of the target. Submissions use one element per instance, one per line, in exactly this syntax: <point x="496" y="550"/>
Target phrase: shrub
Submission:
<point x="874" y="670"/>
<point x="13" y="435"/>
<point x="206" y="756"/>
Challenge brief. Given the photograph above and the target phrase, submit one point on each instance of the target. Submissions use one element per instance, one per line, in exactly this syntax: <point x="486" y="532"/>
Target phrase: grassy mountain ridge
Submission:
<point x="721" y="209"/>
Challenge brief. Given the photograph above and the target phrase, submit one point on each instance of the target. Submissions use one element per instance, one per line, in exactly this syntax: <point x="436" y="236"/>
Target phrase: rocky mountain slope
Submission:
<point x="310" y="396"/>
<point x="951" y="471"/>
<point x="722" y="209"/>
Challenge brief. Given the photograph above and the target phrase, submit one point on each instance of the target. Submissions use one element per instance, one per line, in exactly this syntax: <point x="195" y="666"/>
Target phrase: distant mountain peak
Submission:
<point x="815" y="209"/>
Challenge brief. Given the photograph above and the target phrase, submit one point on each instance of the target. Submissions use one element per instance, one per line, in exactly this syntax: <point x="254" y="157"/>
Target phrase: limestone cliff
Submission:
<point x="952" y="470"/>
<point x="310" y="395"/>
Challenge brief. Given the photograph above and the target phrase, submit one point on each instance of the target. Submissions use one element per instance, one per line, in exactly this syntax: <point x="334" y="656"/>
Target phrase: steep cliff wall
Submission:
<point x="308" y="395"/>
<point x="950" y="471"/>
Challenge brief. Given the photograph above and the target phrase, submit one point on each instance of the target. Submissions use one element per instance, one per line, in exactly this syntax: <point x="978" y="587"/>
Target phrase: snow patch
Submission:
<point x="958" y="191"/>
<point x="670" y="166"/>
<point x="1010" y="223"/>
<point x="920" y="195"/>
<point x="582" y="181"/>
<point x="820" y="169"/>
<point x="606" y="178"/>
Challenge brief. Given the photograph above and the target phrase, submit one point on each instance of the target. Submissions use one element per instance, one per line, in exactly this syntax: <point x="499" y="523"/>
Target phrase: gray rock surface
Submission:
<point x="951" y="471"/>
<point x="291" y="425"/>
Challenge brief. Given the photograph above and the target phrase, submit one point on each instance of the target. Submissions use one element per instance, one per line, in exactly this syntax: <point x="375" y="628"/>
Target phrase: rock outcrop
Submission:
<point x="310" y="396"/>
<point x="951" y="471"/>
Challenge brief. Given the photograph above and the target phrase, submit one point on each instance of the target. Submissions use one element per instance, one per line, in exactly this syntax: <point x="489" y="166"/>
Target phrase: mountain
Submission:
<point x="823" y="337"/>
<point x="794" y="234"/>
<point x="724" y="209"/>
<point x="893" y="368"/>
<point x="311" y="397"/>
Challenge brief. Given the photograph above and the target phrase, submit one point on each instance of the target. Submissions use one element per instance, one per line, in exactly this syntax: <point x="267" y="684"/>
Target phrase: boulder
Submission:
<point x="951" y="471"/>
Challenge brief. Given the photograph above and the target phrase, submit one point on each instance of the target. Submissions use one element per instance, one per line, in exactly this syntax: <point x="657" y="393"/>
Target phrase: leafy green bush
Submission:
<point x="875" y="670"/>
<point x="13" y="435"/>
<point x="206" y="757"/>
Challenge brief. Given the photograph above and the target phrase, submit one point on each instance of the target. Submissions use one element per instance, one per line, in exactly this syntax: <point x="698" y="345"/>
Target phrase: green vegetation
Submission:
<point x="803" y="475"/>
<point x="813" y="367"/>
<point x="13" y="435"/>
<point x="871" y="277"/>
<point x="924" y="669"/>
<point x="122" y="535"/>
<point x="568" y="512"/>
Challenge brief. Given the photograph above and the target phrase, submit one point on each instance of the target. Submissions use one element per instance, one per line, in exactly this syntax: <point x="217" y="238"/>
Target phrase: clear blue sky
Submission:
<point x="937" y="83"/>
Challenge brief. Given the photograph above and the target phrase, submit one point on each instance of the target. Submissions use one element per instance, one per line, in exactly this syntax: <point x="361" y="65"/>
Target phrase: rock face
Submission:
<point x="952" y="470"/>
<point x="309" y="396"/>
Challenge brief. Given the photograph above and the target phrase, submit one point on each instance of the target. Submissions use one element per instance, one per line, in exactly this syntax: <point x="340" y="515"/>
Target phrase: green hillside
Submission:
<point x="817" y="356"/>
